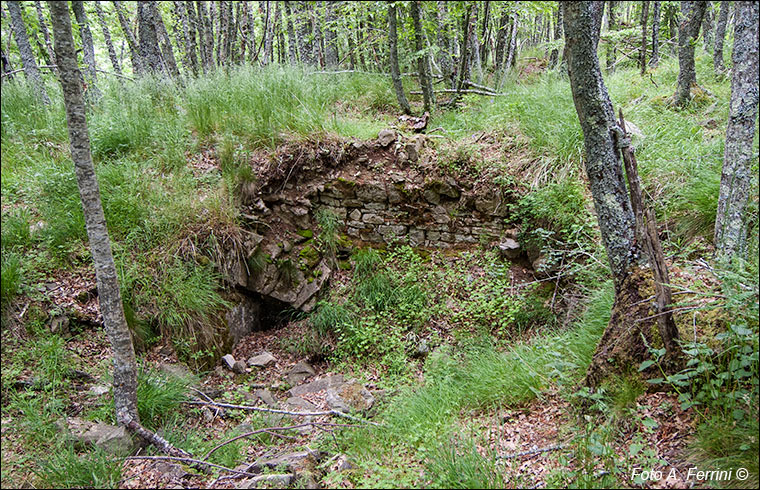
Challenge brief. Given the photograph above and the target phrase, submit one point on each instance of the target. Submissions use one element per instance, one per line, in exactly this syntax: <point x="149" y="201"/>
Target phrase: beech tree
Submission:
<point x="31" y="70"/>
<point x="395" y="72"/>
<point x="737" y="177"/>
<point x="109" y="296"/>
<point x="688" y="30"/>
<point x="720" y="35"/>
<point x="638" y="317"/>
<point x="655" y="60"/>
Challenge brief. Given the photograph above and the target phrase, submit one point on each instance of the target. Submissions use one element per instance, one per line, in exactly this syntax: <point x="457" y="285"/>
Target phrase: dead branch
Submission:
<point x="464" y="91"/>
<point x="252" y="433"/>
<point x="531" y="452"/>
<point x="284" y="412"/>
<point x="159" y="442"/>
<point x="192" y="461"/>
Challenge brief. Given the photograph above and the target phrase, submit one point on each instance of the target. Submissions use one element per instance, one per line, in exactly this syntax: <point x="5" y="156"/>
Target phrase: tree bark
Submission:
<point x="395" y="72"/>
<point x="644" y="16"/>
<point x="109" y="296"/>
<point x="291" y="34"/>
<point x="621" y="217"/>
<point x="138" y="65"/>
<point x="188" y="34"/>
<point x="554" y="57"/>
<point x="423" y="61"/>
<point x="464" y="55"/>
<point x="707" y="24"/>
<point x="738" y="159"/>
<point x="31" y="70"/>
<point x="611" y="24"/>
<point x="165" y="43"/>
<point x="205" y="25"/>
<point x="85" y="34"/>
<point x="149" y="51"/>
<point x="7" y="66"/>
<point x="512" y="52"/>
<point x="688" y="30"/>
<point x="107" y="38"/>
<point x="445" y="60"/>
<point x="476" y="68"/>
<point x="45" y="33"/>
<point x="485" y="33"/>
<point x="655" y="35"/>
<point x="720" y="35"/>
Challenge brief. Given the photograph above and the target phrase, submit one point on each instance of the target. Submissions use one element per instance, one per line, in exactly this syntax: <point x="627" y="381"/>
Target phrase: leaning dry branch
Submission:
<point x="463" y="91"/>
<point x="284" y="412"/>
<point x="194" y="462"/>
<point x="159" y="442"/>
<point x="252" y="433"/>
<point x="532" y="452"/>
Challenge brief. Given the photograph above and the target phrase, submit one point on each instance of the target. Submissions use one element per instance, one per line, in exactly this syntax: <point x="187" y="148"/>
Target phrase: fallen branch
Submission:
<point x="252" y="433"/>
<point x="464" y="91"/>
<point x="156" y="440"/>
<point x="531" y="452"/>
<point x="192" y="461"/>
<point x="284" y="412"/>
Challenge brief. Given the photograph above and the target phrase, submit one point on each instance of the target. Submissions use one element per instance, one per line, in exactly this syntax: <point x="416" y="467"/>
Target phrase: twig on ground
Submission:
<point x="191" y="460"/>
<point x="248" y="434"/>
<point x="532" y="452"/>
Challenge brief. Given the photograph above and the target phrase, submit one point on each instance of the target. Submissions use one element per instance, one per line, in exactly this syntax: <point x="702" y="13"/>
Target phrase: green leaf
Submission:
<point x="645" y="365"/>
<point x="634" y="448"/>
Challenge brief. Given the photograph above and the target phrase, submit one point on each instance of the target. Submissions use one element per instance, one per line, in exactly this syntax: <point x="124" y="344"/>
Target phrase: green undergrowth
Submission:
<point x="421" y="422"/>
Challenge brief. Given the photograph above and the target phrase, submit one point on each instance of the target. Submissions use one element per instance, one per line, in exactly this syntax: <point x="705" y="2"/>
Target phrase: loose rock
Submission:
<point x="509" y="249"/>
<point x="299" y="372"/>
<point x="262" y="360"/>
<point x="386" y="136"/>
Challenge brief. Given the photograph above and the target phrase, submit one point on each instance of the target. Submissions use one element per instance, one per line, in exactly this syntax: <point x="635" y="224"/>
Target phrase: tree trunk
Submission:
<point x="476" y="68"/>
<point x="188" y="34"/>
<point x="512" y="52"/>
<point x="655" y="35"/>
<point x="485" y="33"/>
<point x="395" y="72"/>
<point x="644" y="16"/>
<point x="215" y="17"/>
<point x="279" y="33"/>
<point x="291" y="34"/>
<point x="707" y="24"/>
<point x="148" y="38"/>
<point x="31" y="70"/>
<point x="331" y="35"/>
<point x="423" y="63"/>
<point x="138" y="66"/>
<point x="125" y="367"/>
<point x="107" y="37"/>
<point x="612" y="24"/>
<point x="720" y="35"/>
<point x="739" y="157"/>
<point x="6" y="65"/>
<point x="303" y="33"/>
<point x="554" y="57"/>
<point x="45" y="32"/>
<point x="688" y="30"/>
<point x="165" y="43"/>
<point x="205" y="23"/>
<point x="626" y="235"/>
<point x="86" y="36"/>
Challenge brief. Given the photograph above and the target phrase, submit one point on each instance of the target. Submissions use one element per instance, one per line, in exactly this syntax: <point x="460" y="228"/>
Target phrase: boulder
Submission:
<point x="386" y="136"/>
<point x="266" y="397"/>
<point x="112" y="439"/>
<point x="267" y="481"/>
<point x="509" y="249"/>
<point x="238" y="367"/>
<point x="299" y="372"/>
<point x="350" y="396"/>
<point x="261" y="360"/>
<point x="331" y="381"/>
<point x="243" y="318"/>
<point x="299" y="404"/>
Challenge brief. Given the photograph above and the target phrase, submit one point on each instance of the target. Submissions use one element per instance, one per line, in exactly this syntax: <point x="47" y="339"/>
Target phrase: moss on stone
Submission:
<point x="310" y="256"/>
<point x="305" y="233"/>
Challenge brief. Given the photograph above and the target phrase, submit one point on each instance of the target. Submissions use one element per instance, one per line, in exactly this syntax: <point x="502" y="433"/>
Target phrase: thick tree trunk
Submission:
<point x="188" y="34"/>
<point x="423" y="62"/>
<point x="501" y="42"/>
<point x="485" y="33"/>
<point x="688" y="30"/>
<point x="707" y="24"/>
<point x="644" y="16"/>
<point x="331" y="35"/>
<point x="85" y="34"/>
<point x="554" y="57"/>
<point x="149" y="51"/>
<point x="204" y="23"/>
<point x="625" y="232"/>
<point x="45" y="32"/>
<point x="317" y="48"/>
<point x="395" y="72"/>
<point x="291" y="34"/>
<point x="215" y="18"/>
<point x="279" y="34"/>
<point x="125" y="367"/>
<point x="612" y="25"/>
<point x="107" y="38"/>
<point x="464" y="55"/>
<point x="720" y="35"/>
<point x="303" y="34"/>
<point x="445" y="59"/>
<point x="31" y="70"/>
<point x="655" y="35"/>
<point x="138" y="65"/>
<point x="512" y="51"/>
<point x="739" y="157"/>
<point x="165" y="44"/>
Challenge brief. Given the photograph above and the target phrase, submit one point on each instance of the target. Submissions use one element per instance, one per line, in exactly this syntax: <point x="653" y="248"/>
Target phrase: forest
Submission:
<point x="379" y="244"/>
